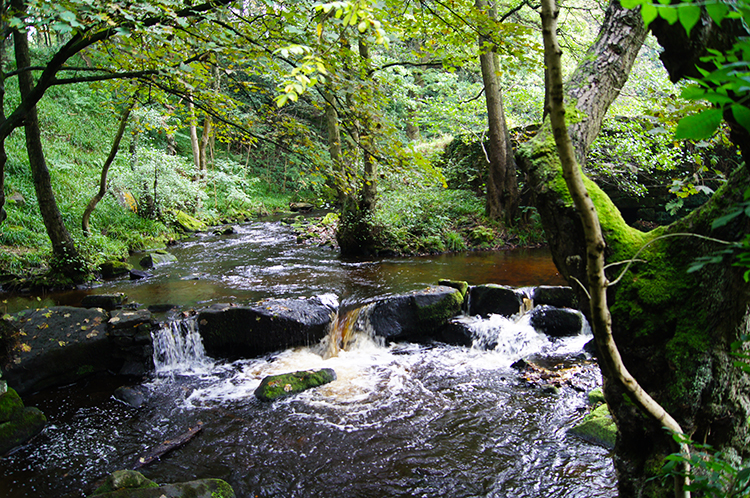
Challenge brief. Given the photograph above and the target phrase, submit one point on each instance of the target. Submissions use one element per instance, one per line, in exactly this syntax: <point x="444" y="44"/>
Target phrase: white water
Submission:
<point x="370" y="374"/>
<point x="178" y="349"/>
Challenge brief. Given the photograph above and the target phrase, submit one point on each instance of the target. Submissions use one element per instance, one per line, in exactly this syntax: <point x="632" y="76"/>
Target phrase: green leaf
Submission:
<point x="742" y="115"/>
<point x="668" y="13"/>
<point x="723" y="220"/>
<point x="631" y="4"/>
<point x="699" y="126"/>
<point x="693" y="92"/>
<point x="649" y="13"/>
<point x="689" y="15"/>
<point x="717" y="11"/>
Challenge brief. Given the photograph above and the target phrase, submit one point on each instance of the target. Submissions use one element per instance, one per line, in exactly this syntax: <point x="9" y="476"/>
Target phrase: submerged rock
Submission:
<point x="493" y="299"/>
<point x="18" y="424"/>
<point x="279" y="386"/>
<point x="130" y="396"/>
<point x="247" y="331"/>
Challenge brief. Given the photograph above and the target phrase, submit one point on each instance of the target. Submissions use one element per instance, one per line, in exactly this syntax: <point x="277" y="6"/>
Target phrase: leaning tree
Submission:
<point x="674" y="329"/>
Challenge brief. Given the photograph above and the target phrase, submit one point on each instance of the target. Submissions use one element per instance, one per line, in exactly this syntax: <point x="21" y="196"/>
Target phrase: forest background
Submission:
<point x="220" y="120"/>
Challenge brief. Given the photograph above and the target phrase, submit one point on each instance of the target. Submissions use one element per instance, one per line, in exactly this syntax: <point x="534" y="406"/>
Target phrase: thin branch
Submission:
<point x="644" y="246"/>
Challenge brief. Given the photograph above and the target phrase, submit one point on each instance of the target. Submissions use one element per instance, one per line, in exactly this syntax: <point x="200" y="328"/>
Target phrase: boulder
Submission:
<point x="124" y="479"/>
<point x="279" y="386"/>
<point x="556" y="322"/>
<point x="130" y="330"/>
<point x="457" y="332"/>
<point x="112" y="269"/>
<point x="461" y="285"/>
<point x="156" y="258"/>
<point x="187" y="223"/>
<point x="553" y="295"/>
<point x="18" y="424"/>
<point x="597" y="427"/>
<point x="271" y="325"/>
<point x="108" y="302"/>
<point x="203" y="488"/>
<point x="494" y="299"/>
<point x="139" y="275"/>
<point x="416" y="316"/>
<point x="131" y="396"/>
<point x="59" y="345"/>
<point x="301" y="207"/>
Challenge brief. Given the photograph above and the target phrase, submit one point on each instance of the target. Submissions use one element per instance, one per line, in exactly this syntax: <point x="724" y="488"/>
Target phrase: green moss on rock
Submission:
<point x="124" y="479"/>
<point x="187" y="223"/>
<point x="10" y="405"/>
<point x="279" y="386"/>
<point x="25" y="425"/>
<point x="597" y="427"/>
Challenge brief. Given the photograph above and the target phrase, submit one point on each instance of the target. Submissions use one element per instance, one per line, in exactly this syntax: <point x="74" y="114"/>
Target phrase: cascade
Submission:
<point x="347" y="331"/>
<point x="178" y="349"/>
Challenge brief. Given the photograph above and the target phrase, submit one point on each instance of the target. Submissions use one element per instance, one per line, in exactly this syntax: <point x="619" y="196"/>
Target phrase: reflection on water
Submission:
<point x="263" y="259"/>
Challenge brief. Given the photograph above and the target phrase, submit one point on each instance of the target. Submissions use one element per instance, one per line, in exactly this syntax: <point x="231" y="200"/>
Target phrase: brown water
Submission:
<point x="264" y="260"/>
<point x="402" y="420"/>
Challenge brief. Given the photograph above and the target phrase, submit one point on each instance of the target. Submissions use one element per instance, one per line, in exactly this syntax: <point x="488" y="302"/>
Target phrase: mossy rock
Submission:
<point x="124" y="479"/>
<point x="279" y="386"/>
<point x="187" y="223"/>
<point x="10" y="405"/>
<point x="596" y="396"/>
<point x="108" y="302"/>
<point x="203" y="488"/>
<point x="156" y="258"/>
<point x="111" y="269"/>
<point x="597" y="427"/>
<point x="24" y="425"/>
<point x="462" y="286"/>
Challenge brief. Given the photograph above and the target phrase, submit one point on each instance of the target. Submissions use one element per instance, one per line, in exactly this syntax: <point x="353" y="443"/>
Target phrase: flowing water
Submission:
<point x="401" y="420"/>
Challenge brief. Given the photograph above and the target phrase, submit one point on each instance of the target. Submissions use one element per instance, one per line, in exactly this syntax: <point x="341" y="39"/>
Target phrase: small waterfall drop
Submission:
<point x="178" y="349"/>
<point x="347" y="331"/>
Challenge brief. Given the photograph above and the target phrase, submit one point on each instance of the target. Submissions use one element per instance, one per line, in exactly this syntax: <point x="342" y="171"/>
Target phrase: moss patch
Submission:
<point x="124" y="479"/>
<point x="279" y="386"/>
<point x="10" y="405"/>
<point x="597" y="427"/>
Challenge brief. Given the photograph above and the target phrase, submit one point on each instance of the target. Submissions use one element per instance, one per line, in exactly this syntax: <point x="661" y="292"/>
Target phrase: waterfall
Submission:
<point x="178" y="349"/>
<point x="347" y="332"/>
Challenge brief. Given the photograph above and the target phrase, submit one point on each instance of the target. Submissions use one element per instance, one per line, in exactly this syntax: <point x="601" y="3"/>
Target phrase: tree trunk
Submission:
<point x="194" y="142"/>
<point x="3" y="153"/>
<point x="356" y="230"/>
<point x="66" y="258"/>
<point x="502" y="182"/>
<point x="105" y="169"/>
<point x="205" y="137"/>
<point x="601" y="320"/>
<point x="672" y="328"/>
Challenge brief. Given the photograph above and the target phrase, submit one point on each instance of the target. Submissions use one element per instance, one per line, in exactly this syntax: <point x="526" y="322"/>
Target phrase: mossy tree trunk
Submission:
<point x="673" y="329"/>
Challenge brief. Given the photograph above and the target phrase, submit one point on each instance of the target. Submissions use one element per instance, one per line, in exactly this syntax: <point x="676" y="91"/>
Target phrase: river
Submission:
<point x="402" y="420"/>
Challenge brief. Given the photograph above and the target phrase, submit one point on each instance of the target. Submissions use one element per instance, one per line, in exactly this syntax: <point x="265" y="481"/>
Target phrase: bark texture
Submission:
<point x="66" y="258"/>
<point x="673" y="329"/>
<point x="502" y="182"/>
